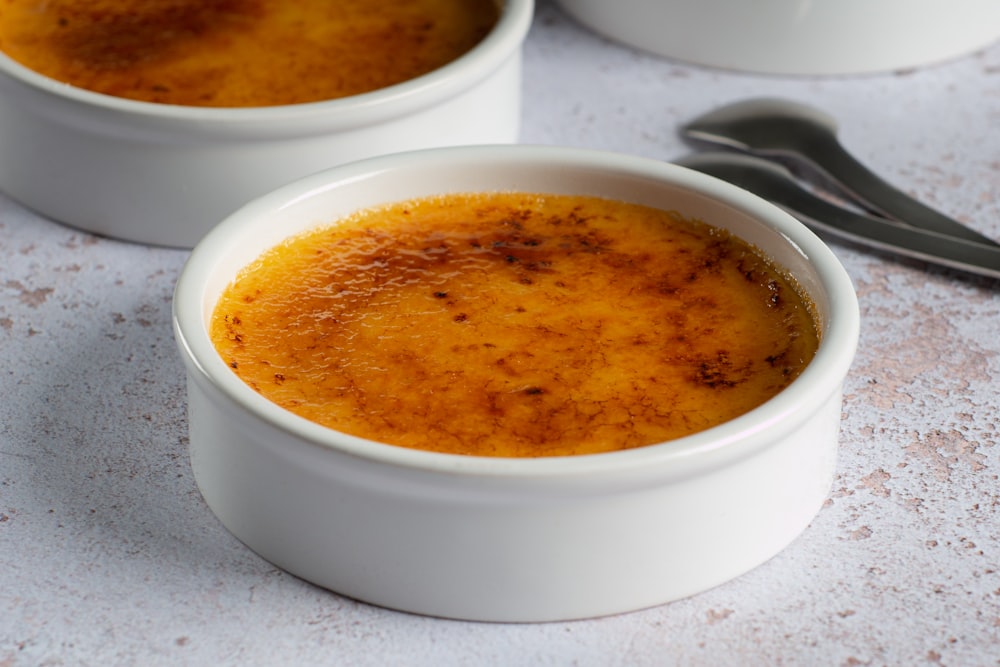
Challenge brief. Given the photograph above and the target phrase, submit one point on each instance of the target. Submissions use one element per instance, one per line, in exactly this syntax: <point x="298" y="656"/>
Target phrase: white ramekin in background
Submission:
<point x="797" y="37"/>
<point x="165" y="174"/>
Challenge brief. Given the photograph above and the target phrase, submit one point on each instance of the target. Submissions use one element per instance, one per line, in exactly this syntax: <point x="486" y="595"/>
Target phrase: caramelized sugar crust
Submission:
<point x="515" y="325"/>
<point x="239" y="53"/>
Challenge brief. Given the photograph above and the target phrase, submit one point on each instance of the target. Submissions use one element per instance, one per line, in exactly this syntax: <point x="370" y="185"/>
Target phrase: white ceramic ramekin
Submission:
<point x="165" y="174"/>
<point x="512" y="539"/>
<point x="799" y="37"/>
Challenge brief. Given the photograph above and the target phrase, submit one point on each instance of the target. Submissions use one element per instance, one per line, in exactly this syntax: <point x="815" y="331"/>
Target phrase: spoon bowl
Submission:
<point x="782" y="129"/>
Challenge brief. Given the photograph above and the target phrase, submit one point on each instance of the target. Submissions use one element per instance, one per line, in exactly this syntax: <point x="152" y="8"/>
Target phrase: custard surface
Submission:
<point x="515" y="325"/>
<point x="240" y="53"/>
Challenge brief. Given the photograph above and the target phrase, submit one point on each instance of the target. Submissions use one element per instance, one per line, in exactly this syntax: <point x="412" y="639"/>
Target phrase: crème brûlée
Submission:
<point x="240" y="53"/>
<point x="516" y="325"/>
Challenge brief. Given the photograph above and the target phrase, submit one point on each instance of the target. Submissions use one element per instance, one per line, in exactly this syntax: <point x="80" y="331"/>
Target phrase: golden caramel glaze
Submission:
<point x="240" y="53"/>
<point x="515" y="325"/>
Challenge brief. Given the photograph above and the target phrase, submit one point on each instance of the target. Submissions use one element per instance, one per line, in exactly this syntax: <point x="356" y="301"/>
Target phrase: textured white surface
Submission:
<point x="109" y="556"/>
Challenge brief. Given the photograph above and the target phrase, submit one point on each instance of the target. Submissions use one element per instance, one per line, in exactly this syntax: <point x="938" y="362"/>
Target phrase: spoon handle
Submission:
<point x="877" y="195"/>
<point x="776" y="184"/>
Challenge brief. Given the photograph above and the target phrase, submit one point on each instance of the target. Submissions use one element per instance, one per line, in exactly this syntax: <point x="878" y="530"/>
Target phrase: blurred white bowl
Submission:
<point x="165" y="174"/>
<point x="512" y="539"/>
<point x="821" y="37"/>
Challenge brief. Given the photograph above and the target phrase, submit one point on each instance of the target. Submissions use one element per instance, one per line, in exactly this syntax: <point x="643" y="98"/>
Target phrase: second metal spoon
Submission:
<point x="775" y="183"/>
<point x="779" y="128"/>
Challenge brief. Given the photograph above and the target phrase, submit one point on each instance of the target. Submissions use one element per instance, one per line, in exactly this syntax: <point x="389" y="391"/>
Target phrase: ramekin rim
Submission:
<point x="822" y="378"/>
<point x="398" y="99"/>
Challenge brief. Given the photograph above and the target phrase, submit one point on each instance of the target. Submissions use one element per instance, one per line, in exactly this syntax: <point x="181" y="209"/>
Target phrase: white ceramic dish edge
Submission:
<point x="791" y="37"/>
<point x="511" y="539"/>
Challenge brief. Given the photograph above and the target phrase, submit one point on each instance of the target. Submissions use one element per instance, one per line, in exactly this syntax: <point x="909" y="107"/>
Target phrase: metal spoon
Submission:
<point x="776" y="184"/>
<point x="783" y="129"/>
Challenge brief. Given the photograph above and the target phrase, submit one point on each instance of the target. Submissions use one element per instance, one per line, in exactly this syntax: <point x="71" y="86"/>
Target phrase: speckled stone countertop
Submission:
<point x="108" y="554"/>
